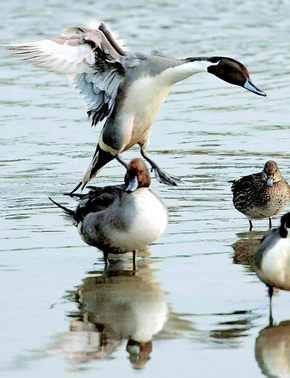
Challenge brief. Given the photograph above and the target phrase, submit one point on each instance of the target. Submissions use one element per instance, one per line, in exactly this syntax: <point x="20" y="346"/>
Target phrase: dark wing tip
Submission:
<point x="112" y="40"/>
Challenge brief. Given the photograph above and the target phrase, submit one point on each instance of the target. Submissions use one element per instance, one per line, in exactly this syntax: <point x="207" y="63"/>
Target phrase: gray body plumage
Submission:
<point x="120" y="218"/>
<point x="136" y="67"/>
<point x="96" y="226"/>
<point x="127" y="89"/>
<point x="117" y="221"/>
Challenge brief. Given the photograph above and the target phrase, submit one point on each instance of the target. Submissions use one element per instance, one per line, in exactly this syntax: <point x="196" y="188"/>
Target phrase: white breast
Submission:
<point x="275" y="265"/>
<point x="151" y="215"/>
<point x="149" y="221"/>
<point x="143" y="101"/>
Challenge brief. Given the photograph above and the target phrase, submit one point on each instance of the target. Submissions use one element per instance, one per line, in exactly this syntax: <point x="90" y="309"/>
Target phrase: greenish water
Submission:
<point x="195" y="298"/>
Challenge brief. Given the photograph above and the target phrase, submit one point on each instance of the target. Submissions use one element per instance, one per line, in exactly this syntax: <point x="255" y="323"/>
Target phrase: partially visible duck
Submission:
<point x="272" y="350"/>
<point x="123" y="218"/>
<point x="261" y="195"/>
<point x="272" y="258"/>
<point x="127" y="89"/>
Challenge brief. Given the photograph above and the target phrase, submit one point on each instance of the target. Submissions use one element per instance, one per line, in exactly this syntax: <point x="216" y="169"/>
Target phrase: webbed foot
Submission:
<point x="165" y="178"/>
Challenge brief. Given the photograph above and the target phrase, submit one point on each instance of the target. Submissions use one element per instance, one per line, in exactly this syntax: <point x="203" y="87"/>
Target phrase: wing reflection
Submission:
<point x="272" y="350"/>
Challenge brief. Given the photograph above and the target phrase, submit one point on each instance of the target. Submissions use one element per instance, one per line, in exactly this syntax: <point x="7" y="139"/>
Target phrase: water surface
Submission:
<point x="195" y="299"/>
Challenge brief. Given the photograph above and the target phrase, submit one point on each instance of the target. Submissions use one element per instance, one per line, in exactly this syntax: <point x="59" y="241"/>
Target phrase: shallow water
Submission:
<point x="195" y="298"/>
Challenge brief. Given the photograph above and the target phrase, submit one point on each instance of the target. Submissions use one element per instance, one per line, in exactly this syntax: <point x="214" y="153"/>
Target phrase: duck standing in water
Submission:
<point x="125" y="88"/>
<point x="261" y="195"/>
<point x="272" y="259"/>
<point x="123" y="218"/>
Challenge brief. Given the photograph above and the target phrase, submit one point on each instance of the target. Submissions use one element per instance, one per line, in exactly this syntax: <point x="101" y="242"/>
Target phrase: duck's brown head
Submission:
<point x="233" y="72"/>
<point x="271" y="173"/>
<point x="137" y="175"/>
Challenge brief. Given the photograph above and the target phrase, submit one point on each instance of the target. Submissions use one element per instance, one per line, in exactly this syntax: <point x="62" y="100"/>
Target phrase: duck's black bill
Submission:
<point x="133" y="185"/>
<point x="252" y="88"/>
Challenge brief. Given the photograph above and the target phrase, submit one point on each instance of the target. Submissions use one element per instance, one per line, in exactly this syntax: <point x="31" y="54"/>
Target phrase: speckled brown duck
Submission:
<point x="261" y="195"/>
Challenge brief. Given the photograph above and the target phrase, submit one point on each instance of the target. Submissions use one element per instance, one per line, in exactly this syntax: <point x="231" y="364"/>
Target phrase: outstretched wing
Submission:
<point x="90" y="58"/>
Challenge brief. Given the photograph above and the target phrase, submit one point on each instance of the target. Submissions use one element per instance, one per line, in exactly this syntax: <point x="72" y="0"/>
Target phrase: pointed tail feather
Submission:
<point x="70" y="213"/>
<point x="100" y="159"/>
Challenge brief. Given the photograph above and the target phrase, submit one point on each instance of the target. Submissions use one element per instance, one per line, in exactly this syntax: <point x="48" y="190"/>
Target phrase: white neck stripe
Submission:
<point x="174" y="74"/>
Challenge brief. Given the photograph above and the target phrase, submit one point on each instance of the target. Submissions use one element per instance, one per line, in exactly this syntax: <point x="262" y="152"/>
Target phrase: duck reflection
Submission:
<point x="115" y="305"/>
<point x="121" y="306"/>
<point x="272" y="350"/>
<point x="126" y="306"/>
<point x="245" y="248"/>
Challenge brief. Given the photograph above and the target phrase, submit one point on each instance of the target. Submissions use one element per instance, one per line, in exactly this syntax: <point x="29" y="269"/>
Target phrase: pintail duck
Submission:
<point x="261" y="195"/>
<point x="272" y="258"/>
<point x="125" y="88"/>
<point x="122" y="218"/>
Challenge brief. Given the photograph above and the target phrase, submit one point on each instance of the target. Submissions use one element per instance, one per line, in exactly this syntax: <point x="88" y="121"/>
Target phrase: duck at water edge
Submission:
<point x="261" y="195"/>
<point x="272" y="259"/>
<point x="122" y="218"/>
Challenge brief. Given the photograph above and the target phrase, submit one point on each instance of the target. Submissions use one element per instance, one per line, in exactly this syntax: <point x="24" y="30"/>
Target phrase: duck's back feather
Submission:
<point x="97" y="199"/>
<point x="246" y="182"/>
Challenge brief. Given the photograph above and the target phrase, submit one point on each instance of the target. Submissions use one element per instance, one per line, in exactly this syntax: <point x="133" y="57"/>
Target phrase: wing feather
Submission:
<point x="89" y="58"/>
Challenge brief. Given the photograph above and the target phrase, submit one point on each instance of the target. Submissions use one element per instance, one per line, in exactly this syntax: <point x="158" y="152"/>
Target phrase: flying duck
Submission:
<point x="272" y="258"/>
<point x="122" y="218"/>
<point x="126" y="89"/>
<point x="261" y="195"/>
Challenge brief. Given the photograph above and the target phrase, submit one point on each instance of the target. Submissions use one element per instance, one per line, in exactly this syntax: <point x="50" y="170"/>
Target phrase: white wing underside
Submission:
<point x="90" y="62"/>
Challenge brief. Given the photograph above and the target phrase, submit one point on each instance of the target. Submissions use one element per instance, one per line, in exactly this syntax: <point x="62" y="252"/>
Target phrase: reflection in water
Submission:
<point x="114" y="306"/>
<point x="232" y="327"/>
<point x="245" y="247"/>
<point x="226" y="332"/>
<point x="119" y="304"/>
<point x="272" y="350"/>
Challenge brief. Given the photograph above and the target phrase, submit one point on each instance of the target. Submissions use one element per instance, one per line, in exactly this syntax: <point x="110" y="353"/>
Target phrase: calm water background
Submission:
<point x="196" y="295"/>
